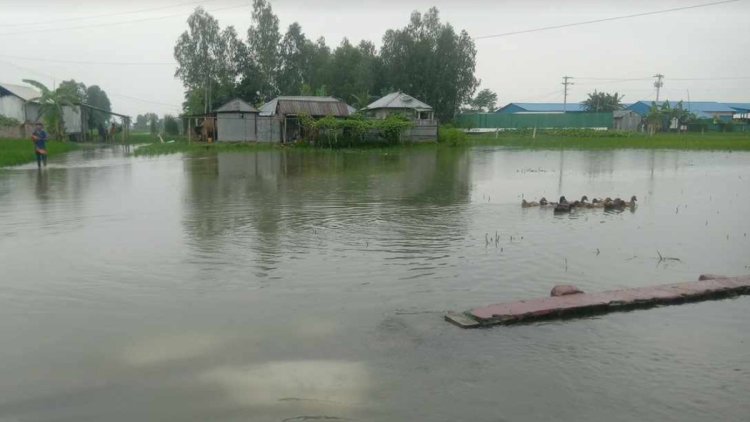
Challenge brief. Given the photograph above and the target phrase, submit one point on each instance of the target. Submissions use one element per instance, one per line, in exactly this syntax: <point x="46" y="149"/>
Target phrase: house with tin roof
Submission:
<point x="425" y="127"/>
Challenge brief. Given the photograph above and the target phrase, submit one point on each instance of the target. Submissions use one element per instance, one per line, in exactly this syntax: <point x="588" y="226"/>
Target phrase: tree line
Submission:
<point x="427" y="59"/>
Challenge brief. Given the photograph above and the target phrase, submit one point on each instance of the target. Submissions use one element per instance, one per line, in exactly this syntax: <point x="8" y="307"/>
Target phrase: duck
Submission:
<point x="527" y="204"/>
<point x="563" y="206"/>
<point x="632" y="202"/>
<point x="583" y="203"/>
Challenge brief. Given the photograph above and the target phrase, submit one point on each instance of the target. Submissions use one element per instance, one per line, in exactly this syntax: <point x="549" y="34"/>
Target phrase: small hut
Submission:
<point x="236" y="121"/>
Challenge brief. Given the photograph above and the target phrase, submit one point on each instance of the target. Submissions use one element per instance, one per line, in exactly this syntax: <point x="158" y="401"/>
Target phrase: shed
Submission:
<point x="236" y="121"/>
<point x="526" y="108"/>
<point x="742" y="109"/>
<point x="14" y="102"/>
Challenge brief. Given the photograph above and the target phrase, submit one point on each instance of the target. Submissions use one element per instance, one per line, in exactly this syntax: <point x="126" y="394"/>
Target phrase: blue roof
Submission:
<point x="540" y="108"/>
<point x="740" y="107"/>
<point x="700" y="108"/>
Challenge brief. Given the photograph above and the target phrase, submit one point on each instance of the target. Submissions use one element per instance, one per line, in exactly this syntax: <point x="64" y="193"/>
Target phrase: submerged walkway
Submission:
<point x="573" y="305"/>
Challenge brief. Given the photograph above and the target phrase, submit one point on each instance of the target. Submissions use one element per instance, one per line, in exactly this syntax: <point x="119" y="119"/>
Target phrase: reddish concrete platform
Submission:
<point x="709" y="287"/>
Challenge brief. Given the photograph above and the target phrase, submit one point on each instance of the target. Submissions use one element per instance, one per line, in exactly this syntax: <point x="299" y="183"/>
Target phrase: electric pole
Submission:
<point x="565" y="95"/>
<point x="658" y="84"/>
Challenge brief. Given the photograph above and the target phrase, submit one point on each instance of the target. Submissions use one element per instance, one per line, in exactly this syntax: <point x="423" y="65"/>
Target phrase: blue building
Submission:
<point x="526" y="108"/>
<point x="702" y="109"/>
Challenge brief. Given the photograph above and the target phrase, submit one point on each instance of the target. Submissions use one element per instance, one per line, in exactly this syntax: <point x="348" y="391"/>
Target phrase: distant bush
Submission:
<point x="451" y="136"/>
<point x="8" y="121"/>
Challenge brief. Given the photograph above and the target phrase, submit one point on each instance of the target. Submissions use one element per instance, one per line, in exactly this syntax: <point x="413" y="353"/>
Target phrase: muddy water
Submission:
<point x="289" y="285"/>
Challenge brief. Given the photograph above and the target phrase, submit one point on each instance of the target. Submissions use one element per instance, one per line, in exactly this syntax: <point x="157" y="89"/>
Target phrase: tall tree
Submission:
<point x="96" y="97"/>
<point x="51" y="104"/>
<point x="602" y="102"/>
<point x="429" y="60"/>
<point x="263" y="39"/>
<point x="294" y="55"/>
<point x="206" y="59"/>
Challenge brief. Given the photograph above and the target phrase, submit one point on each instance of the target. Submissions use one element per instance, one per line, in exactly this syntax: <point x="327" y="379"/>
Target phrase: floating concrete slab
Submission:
<point x="573" y="305"/>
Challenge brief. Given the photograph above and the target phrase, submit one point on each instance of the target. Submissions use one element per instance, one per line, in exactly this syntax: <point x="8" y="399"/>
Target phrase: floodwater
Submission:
<point x="293" y="286"/>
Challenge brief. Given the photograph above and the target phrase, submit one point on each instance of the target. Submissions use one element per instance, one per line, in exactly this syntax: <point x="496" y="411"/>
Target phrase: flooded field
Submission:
<point x="291" y="286"/>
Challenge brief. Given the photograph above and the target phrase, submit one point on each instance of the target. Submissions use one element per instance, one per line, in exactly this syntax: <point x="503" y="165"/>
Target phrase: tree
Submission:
<point x="603" y="102"/>
<point x="51" y="105"/>
<point x="294" y="54"/>
<point x="263" y="39"/>
<point x="432" y="62"/>
<point x="74" y="89"/>
<point x="484" y="101"/>
<point x="171" y="126"/>
<point x="96" y="97"/>
<point x="207" y="60"/>
<point x="153" y="123"/>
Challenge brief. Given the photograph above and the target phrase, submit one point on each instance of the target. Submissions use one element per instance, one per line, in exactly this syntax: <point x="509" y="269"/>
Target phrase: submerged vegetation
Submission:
<point x="20" y="151"/>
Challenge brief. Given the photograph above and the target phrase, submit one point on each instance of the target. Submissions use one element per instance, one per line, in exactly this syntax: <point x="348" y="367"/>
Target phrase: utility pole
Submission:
<point x="658" y="84"/>
<point x="565" y="96"/>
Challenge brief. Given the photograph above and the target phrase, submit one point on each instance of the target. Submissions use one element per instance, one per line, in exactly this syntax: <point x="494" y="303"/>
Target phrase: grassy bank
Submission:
<point x="615" y="140"/>
<point x="579" y="140"/>
<point x="20" y="151"/>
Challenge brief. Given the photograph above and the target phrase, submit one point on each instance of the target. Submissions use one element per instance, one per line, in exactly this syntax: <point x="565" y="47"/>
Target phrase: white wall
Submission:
<point x="12" y="106"/>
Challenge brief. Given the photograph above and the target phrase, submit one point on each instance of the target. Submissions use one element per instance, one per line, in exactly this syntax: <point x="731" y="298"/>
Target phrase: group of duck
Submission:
<point x="563" y="206"/>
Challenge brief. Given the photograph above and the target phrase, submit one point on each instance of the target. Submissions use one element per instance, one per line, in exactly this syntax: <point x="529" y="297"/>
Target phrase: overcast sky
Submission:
<point x="703" y="52"/>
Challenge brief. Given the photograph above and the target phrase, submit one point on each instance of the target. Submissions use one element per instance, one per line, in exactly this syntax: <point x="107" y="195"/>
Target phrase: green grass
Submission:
<point x="686" y="141"/>
<point x="20" y="151"/>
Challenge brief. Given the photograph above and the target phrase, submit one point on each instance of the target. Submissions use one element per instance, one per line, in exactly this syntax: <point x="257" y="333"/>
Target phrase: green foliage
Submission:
<point x="428" y="59"/>
<point x="95" y="96"/>
<point x="451" y="136"/>
<point x="356" y="130"/>
<point x="8" y="121"/>
<point x="171" y="125"/>
<point x="153" y="124"/>
<point x="660" y="116"/>
<point x="207" y="60"/>
<point x="603" y="102"/>
<point x="484" y="101"/>
<point x="263" y="39"/>
<point x="51" y="105"/>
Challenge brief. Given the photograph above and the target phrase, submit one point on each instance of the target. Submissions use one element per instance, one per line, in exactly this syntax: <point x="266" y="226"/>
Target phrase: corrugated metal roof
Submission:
<point x="740" y="107"/>
<point x="25" y="92"/>
<point x="314" y="106"/>
<point x="700" y="108"/>
<point x="236" y="105"/>
<point x="546" y="107"/>
<point x="398" y="100"/>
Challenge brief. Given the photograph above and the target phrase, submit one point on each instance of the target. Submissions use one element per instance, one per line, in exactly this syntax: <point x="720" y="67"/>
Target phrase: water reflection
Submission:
<point x="281" y="203"/>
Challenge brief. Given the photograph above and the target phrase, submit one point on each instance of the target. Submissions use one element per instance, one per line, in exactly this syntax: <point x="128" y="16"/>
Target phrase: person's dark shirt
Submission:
<point x="41" y="139"/>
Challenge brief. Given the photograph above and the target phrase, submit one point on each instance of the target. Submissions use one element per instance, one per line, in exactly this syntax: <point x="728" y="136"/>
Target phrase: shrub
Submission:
<point x="451" y="136"/>
<point x="8" y="121"/>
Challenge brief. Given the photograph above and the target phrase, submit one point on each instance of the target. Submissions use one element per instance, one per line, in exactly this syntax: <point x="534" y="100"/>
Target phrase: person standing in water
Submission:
<point x="40" y="145"/>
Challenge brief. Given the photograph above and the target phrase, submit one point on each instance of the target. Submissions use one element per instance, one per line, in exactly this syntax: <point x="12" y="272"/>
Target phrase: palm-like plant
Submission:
<point x="51" y="105"/>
